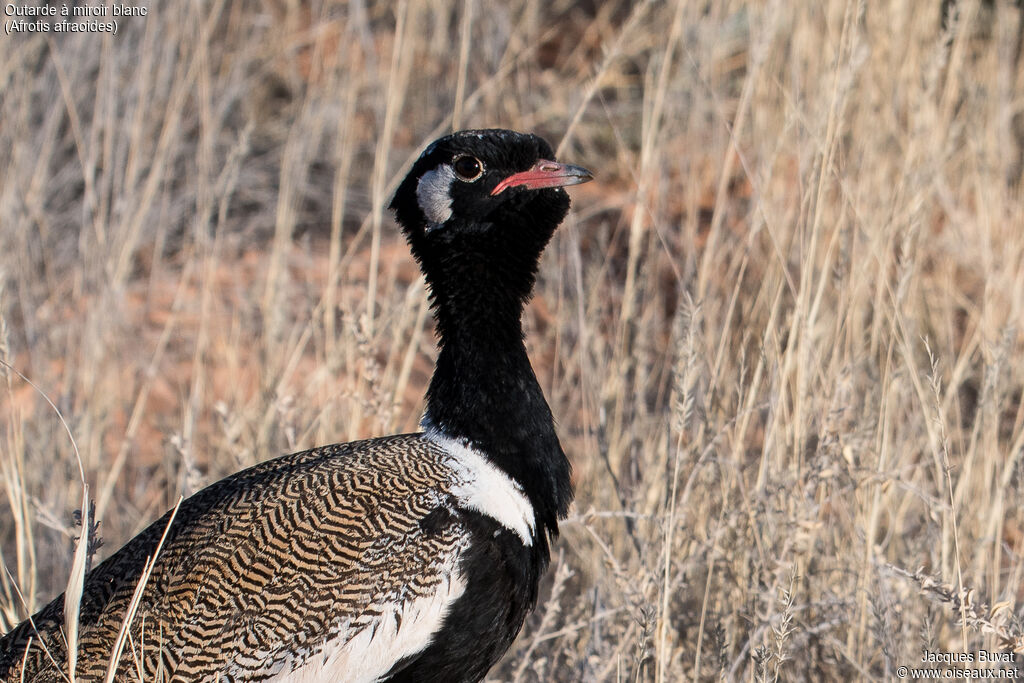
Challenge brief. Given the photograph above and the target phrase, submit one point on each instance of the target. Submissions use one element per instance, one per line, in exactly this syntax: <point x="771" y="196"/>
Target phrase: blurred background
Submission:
<point x="781" y="332"/>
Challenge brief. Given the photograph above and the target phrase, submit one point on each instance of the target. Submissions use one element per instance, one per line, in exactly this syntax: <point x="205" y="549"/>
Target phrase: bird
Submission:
<point x="413" y="557"/>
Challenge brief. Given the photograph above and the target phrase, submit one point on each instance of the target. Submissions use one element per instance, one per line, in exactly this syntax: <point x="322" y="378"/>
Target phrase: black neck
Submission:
<point x="484" y="389"/>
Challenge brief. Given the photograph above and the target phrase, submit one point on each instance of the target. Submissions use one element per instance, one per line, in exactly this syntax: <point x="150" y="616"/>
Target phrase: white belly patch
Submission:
<point x="401" y="631"/>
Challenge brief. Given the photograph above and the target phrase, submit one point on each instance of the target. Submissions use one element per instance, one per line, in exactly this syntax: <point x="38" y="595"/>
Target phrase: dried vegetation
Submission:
<point x="781" y="331"/>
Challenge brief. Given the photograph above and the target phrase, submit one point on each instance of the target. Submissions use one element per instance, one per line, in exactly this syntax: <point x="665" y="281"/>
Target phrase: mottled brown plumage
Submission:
<point x="312" y="524"/>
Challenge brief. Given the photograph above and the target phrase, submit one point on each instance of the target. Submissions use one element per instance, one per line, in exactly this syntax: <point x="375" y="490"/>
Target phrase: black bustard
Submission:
<point x="405" y="558"/>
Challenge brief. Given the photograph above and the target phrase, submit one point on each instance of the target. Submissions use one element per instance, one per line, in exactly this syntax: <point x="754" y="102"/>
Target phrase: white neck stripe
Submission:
<point x="483" y="487"/>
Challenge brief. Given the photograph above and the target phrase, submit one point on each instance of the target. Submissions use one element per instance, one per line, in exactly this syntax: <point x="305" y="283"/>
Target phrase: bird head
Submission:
<point x="477" y="208"/>
<point x="496" y="184"/>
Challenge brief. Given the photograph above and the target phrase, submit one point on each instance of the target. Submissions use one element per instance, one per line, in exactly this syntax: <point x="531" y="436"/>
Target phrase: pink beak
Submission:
<point x="545" y="173"/>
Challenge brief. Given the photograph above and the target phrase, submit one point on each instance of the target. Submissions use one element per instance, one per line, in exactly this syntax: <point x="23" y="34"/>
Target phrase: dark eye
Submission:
<point x="468" y="168"/>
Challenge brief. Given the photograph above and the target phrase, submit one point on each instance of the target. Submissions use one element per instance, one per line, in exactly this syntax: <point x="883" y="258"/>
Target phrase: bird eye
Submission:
<point x="468" y="168"/>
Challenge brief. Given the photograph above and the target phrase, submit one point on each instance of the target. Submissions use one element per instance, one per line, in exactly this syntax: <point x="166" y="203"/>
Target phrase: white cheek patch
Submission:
<point x="433" y="194"/>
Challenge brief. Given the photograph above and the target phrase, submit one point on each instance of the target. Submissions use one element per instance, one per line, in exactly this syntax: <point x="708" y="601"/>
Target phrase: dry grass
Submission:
<point x="781" y="332"/>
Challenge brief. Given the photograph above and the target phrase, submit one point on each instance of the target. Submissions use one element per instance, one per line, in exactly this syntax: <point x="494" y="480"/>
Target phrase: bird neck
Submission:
<point x="484" y="390"/>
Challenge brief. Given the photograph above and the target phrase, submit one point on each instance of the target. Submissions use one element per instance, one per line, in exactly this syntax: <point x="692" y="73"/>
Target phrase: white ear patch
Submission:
<point x="433" y="194"/>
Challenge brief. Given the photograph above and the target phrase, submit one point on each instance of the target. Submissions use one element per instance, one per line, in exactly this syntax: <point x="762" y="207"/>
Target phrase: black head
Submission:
<point x="493" y="195"/>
